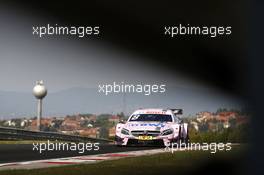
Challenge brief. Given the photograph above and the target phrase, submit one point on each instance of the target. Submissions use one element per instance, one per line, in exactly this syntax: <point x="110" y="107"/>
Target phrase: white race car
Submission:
<point x="152" y="126"/>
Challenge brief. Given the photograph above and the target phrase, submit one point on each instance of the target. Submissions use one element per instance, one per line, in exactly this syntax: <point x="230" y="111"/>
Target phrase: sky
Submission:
<point x="65" y="63"/>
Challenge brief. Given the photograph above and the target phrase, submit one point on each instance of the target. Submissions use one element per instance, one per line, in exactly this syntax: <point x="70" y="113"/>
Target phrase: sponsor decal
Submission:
<point x="155" y="112"/>
<point x="146" y="124"/>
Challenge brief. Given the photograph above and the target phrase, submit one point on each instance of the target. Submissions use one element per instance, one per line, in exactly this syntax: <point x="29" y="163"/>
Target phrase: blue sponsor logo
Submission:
<point x="148" y="124"/>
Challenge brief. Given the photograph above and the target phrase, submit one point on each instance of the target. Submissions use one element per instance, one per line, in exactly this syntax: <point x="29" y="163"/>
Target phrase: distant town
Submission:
<point x="103" y="126"/>
<point x="222" y="119"/>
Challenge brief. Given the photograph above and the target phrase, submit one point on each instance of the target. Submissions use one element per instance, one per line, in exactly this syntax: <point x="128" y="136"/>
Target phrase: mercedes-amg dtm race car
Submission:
<point x="152" y="126"/>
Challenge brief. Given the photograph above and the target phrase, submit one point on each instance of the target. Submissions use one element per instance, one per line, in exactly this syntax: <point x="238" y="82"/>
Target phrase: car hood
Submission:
<point x="152" y="126"/>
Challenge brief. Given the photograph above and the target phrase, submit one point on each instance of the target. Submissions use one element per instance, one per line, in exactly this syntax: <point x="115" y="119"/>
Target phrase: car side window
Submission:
<point x="176" y="119"/>
<point x="134" y="117"/>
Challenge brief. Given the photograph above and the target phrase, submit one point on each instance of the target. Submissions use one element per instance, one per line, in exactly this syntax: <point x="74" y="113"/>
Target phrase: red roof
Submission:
<point x="114" y="117"/>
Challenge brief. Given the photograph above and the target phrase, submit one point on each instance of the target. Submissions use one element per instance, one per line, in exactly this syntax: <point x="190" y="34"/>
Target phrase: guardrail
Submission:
<point x="21" y="134"/>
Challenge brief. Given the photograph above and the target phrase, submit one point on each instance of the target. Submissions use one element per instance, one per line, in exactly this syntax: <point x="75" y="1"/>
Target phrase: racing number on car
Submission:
<point x="145" y="137"/>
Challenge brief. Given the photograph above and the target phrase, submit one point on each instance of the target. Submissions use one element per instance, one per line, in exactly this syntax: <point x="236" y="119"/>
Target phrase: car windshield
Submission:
<point x="151" y="117"/>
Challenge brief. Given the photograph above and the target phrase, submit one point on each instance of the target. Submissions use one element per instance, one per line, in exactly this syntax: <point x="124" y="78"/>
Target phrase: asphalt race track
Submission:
<point x="23" y="152"/>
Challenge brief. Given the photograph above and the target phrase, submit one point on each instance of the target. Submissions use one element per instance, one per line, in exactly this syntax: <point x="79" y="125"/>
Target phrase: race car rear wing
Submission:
<point x="177" y="111"/>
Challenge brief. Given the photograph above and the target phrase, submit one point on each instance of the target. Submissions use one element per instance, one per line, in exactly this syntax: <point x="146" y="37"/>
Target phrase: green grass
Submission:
<point x="24" y="141"/>
<point x="184" y="162"/>
<point x="18" y="141"/>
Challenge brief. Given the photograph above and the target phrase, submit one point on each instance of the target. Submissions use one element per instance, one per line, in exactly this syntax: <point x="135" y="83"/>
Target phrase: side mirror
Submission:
<point x="177" y="111"/>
